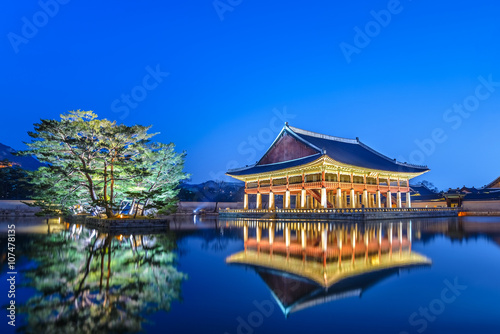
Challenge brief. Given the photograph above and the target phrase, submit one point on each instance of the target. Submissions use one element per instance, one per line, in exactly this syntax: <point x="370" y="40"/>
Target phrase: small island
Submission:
<point x="103" y="173"/>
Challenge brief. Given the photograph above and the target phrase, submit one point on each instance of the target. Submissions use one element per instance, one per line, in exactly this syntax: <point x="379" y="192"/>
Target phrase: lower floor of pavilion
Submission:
<point x="327" y="198"/>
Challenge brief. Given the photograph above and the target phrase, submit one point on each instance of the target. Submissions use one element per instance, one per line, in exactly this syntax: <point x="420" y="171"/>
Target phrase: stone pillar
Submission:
<point x="258" y="233"/>
<point x="353" y="199"/>
<point x="324" y="202"/>
<point x="259" y="201"/>
<point x="286" y="200"/>
<point x="339" y="198"/>
<point x="303" y="198"/>
<point x="344" y="200"/>
<point x="399" y="199"/>
<point x="245" y="233"/>
<point x="272" y="205"/>
<point x="245" y="202"/>
<point x="365" y="199"/>
<point x="389" y="200"/>
<point x="408" y="200"/>
<point x="379" y="199"/>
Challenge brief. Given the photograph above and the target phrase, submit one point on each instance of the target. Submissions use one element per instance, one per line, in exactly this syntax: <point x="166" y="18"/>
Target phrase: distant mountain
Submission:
<point x="212" y="191"/>
<point x="28" y="163"/>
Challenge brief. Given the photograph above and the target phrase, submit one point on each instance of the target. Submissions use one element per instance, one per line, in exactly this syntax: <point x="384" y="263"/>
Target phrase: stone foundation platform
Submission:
<point x="343" y="214"/>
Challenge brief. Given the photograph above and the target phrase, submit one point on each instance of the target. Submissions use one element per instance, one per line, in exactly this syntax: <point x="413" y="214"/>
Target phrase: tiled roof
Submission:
<point x="354" y="152"/>
<point x="493" y="195"/>
<point x="347" y="151"/>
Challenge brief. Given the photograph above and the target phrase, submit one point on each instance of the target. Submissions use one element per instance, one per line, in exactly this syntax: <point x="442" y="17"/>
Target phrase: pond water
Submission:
<point x="203" y="275"/>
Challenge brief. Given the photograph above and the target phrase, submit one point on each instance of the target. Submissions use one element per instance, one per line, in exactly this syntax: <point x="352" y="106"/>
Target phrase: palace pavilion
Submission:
<point x="310" y="170"/>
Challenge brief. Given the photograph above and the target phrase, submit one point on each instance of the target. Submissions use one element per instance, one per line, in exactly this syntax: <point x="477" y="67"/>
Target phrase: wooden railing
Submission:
<point x="358" y="187"/>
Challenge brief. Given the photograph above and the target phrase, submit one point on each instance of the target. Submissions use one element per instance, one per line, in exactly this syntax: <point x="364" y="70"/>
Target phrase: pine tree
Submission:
<point x="98" y="164"/>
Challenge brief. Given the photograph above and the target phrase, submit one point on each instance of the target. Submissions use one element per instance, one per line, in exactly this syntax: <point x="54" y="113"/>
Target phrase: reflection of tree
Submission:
<point x="97" y="283"/>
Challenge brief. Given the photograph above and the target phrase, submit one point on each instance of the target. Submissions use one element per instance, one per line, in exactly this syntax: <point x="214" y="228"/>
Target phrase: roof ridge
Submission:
<point x="323" y="136"/>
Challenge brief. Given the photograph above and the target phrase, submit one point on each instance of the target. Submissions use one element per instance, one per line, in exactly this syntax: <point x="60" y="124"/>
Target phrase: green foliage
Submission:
<point x="98" y="165"/>
<point x="156" y="186"/>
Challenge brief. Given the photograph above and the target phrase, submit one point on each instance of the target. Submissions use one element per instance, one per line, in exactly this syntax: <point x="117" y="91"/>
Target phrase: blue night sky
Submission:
<point x="416" y="80"/>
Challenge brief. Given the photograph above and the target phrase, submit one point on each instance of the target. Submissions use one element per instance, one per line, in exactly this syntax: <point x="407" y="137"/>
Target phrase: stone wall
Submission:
<point x="428" y="204"/>
<point x="485" y="206"/>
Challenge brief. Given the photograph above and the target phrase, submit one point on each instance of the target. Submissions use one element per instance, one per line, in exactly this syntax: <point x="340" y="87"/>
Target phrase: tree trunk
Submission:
<point x="109" y="212"/>
<point x="144" y="207"/>
<point x="137" y="210"/>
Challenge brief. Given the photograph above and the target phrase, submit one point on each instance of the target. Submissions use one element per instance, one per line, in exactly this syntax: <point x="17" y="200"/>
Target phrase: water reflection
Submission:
<point x="143" y="276"/>
<point x="89" y="281"/>
<point x="306" y="264"/>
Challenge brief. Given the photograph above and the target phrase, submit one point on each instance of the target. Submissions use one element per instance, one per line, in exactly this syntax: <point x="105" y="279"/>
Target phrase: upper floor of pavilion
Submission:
<point x="295" y="150"/>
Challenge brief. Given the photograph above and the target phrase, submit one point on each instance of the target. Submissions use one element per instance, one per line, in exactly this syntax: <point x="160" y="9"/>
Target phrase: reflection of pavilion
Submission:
<point x="309" y="264"/>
